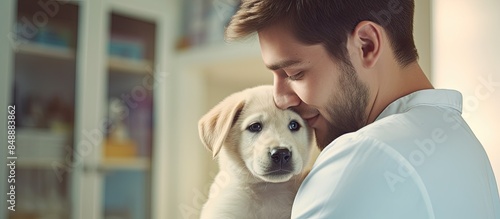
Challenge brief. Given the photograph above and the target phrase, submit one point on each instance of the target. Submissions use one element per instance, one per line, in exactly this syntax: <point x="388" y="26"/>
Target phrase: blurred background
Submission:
<point x="108" y="94"/>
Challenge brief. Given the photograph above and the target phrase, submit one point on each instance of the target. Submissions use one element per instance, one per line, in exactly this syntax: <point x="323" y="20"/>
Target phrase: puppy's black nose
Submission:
<point x="280" y="155"/>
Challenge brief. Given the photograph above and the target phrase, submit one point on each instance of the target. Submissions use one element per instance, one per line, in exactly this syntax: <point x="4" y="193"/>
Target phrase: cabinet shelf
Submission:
<point x="126" y="65"/>
<point x="38" y="163"/>
<point x="219" y="52"/>
<point x="108" y="164"/>
<point x="239" y="62"/>
<point x="43" y="50"/>
<point x="40" y="148"/>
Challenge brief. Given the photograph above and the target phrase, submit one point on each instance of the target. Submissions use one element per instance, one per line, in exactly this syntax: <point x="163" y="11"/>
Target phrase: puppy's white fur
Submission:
<point x="249" y="190"/>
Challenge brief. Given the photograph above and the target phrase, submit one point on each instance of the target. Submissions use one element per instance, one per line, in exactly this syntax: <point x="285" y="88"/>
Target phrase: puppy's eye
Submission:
<point x="293" y="126"/>
<point x="255" y="127"/>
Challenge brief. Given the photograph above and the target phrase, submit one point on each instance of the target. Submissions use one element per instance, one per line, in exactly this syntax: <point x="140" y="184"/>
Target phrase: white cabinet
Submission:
<point x="88" y="79"/>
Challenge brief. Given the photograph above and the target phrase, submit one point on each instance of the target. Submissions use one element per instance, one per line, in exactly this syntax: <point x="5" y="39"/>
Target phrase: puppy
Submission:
<point x="262" y="153"/>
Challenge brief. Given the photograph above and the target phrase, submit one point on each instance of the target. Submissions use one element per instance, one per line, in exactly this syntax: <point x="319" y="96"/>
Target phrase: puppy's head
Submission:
<point x="272" y="144"/>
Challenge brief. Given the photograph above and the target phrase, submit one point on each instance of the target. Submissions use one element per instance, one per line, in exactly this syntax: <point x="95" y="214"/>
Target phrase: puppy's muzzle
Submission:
<point x="281" y="161"/>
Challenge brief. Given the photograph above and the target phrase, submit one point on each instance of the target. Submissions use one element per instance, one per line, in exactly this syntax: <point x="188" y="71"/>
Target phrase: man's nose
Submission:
<point x="284" y="96"/>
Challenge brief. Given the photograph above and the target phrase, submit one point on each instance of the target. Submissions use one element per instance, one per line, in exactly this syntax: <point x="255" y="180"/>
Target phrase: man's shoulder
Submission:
<point x="417" y="123"/>
<point x="419" y="130"/>
<point x="389" y="169"/>
<point x="358" y="167"/>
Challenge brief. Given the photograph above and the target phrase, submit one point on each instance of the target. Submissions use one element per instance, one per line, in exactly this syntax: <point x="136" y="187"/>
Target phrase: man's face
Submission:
<point x="325" y="92"/>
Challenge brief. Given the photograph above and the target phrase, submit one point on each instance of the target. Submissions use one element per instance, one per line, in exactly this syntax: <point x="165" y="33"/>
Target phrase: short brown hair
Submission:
<point x="329" y="22"/>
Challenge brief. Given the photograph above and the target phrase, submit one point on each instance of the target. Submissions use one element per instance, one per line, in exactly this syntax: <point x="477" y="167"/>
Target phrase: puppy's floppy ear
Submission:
<point x="214" y="126"/>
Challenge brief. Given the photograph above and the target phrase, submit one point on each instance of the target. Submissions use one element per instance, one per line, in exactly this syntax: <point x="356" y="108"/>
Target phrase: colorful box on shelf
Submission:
<point x="54" y="37"/>
<point x="204" y="22"/>
<point x="126" y="48"/>
<point x="119" y="148"/>
<point x="45" y="35"/>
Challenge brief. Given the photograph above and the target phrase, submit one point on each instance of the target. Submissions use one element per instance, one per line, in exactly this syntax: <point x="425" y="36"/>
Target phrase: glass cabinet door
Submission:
<point x="127" y="146"/>
<point x="44" y="95"/>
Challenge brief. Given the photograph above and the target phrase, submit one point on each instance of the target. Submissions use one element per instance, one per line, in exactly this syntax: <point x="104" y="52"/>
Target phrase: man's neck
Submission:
<point x="397" y="84"/>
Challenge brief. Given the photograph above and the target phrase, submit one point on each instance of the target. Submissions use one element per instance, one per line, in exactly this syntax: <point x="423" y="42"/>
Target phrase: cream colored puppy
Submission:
<point x="262" y="153"/>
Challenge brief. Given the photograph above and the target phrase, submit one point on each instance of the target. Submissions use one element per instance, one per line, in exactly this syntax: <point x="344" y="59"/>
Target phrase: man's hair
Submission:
<point x="329" y="22"/>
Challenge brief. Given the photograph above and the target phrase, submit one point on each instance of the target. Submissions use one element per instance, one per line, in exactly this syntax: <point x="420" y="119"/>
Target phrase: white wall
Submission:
<point x="201" y="85"/>
<point x="465" y="57"/>
<point x="422" y="34"/>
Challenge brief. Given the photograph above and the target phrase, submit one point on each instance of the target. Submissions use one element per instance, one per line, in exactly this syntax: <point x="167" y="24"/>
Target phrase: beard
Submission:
<point x="345" y="109"/>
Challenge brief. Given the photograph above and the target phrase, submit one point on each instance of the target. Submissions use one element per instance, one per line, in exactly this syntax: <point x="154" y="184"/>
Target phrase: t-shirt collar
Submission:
<point x="430" y="97"/>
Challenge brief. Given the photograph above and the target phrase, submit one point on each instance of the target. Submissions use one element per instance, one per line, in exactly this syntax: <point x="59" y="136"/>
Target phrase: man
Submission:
<point x="392" y="146"/>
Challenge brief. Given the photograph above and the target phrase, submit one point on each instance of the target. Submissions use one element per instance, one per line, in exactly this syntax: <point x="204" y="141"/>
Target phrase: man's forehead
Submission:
<point x="280" y="52"/>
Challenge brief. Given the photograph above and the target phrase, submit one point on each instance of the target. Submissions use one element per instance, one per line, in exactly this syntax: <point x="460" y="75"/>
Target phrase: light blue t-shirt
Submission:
<point x="419" y="159"/>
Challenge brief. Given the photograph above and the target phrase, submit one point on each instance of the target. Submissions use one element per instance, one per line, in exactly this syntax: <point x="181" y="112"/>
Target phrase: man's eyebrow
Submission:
<point x="282" y="64"/>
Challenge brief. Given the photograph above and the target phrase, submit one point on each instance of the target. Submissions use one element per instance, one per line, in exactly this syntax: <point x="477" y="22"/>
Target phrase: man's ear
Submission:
<point x="214" y="126"/>
<point x="367" y="37"/>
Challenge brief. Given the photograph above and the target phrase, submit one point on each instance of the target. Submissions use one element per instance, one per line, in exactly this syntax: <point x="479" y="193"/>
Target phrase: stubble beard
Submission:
<point x="346" y="109"/>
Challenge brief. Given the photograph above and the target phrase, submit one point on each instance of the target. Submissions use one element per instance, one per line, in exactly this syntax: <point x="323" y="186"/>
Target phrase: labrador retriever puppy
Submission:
<point x="262" y="153"/>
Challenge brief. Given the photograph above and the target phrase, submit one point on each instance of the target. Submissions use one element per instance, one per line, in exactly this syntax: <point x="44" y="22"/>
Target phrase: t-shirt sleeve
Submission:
<point x="359" y="177"/>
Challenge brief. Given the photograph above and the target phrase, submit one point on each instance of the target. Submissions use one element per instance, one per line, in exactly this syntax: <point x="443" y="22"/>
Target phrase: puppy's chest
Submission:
<point x="272" y="203"/>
